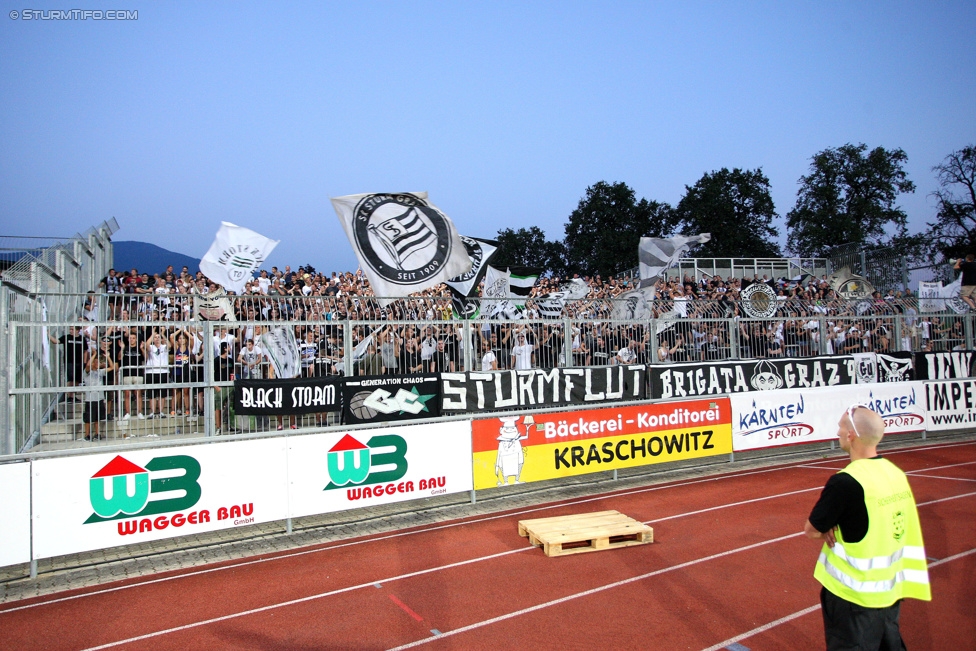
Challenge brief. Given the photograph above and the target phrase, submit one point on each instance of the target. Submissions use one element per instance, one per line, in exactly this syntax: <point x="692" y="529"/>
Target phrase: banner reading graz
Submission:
<point x="373" y="399"/>
<point x="945" y="366"/>
<point x="471" y="392"/>
<point x="712" y="378"/>
<point x="282" y="397"/>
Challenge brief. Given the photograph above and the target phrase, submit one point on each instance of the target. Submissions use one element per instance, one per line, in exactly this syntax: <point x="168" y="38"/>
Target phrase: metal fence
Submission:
<point x="56" y="396"/>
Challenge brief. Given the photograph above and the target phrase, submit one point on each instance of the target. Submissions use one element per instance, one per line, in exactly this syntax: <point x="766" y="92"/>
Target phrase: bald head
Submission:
<point x="861" y="435"/>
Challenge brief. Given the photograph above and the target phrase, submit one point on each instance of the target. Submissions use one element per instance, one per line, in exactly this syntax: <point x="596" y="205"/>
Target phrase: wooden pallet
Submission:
<point x="585" y="532"/>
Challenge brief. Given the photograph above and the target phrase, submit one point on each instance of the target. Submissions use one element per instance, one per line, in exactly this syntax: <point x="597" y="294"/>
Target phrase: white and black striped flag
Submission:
<point x="656" y="254"/>
<point x="479" y="252"/>
<point x="281" y="349"/>
<point x="404" y="243"/>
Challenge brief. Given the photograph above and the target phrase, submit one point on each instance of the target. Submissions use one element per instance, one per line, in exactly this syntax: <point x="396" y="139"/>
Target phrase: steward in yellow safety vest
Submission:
<point x="873" y="555"/>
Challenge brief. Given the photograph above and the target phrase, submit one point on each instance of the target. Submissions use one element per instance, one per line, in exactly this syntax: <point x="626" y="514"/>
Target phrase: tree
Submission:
<point x="603" y="233"/>
<point x="736" y="208"/>
<point x="849" y="197"/>
<point x="528" y="248"/>
<point x="954" y="230"/>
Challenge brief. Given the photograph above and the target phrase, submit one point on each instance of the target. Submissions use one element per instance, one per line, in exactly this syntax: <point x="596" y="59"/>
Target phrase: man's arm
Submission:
<point x="812" y="532"/>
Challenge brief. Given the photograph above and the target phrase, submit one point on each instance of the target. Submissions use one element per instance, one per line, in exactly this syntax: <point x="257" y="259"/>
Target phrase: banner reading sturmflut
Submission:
<point x="404" y="243"/>
<point x="475" y="392"/>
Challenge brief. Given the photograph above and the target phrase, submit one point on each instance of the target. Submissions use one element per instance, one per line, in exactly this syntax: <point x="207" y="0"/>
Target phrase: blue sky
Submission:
<point x="504" y="112"/>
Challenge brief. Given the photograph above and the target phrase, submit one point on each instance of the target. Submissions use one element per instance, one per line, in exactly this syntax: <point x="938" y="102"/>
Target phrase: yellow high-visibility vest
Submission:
<point x="889" y="563"/>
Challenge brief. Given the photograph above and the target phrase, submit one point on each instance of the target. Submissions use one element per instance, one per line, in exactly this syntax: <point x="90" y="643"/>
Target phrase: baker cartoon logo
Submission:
<point x="511" y="456"/>
<point x="766" y="377"/>
<point x="898" y="525"/>
<point x="401" y="237"/>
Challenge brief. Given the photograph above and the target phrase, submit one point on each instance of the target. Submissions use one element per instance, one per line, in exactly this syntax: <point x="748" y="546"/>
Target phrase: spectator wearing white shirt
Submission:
<point x="522" y="353"/>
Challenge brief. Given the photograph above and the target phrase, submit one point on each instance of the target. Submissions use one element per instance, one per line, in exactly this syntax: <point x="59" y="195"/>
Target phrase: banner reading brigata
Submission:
<point x="787" y="416"/>
<point x="349" y="470"/>
<point x="104" y="500"/>
<point x="283" y="397"/>
<point x="534" y="447"/>
<point x="716" y="378"/>
<point x="535" y="388"/>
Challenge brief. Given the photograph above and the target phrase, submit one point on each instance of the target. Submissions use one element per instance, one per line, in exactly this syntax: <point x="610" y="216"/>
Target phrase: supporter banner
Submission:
<point x="711" y="378"/>
<point x="882" y="367"/>
<point x="714" y="378"/>
<point x="379" y="398"/>
<point x="15" y="543"/>
<point x="283" y="397"/>
<point x="337" y="471"/>
<point x="788" y="416"/>
<point x="470" y="392"/>
<point x="214" y="306"/>
<point x="945" y="366"/>
<point x="950" y="404"/>
<point x="104" y="500"/>
<point x="535" y="447"/>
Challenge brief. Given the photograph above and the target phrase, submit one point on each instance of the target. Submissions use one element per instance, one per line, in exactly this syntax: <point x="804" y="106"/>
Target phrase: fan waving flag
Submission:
<point x="404" y="243"/>
<point x="656" y="254"/>
<point x="234" y="256"/>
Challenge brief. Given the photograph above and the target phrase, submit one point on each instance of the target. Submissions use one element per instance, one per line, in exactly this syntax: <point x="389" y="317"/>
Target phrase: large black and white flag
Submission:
<point x="404" y="243"/>
<point x="235" y="254"/>
<point x="281" y="348"/>
<point x="551" y="305"/>
<point x="656" y="254"/>
<point x="462" y="287"/>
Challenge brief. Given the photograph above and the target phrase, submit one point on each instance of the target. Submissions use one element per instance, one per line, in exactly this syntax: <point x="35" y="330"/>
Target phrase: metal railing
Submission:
<point x="49" y="389"/>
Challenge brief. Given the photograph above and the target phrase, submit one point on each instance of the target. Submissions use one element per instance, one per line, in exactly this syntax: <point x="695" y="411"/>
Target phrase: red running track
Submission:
<point x="728" y="567"/>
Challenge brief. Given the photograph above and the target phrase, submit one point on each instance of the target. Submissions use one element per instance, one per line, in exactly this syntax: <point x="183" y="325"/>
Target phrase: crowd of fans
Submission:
<point x="146" y="335"/>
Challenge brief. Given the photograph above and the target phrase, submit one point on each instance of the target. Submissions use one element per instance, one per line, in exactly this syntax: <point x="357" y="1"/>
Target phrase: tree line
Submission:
<point x="849" y="196"/>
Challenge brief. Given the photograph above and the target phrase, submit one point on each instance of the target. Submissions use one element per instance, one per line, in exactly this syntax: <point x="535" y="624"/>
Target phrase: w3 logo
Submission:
<point x="350" y="463"/>
<point x="122" y="489"/>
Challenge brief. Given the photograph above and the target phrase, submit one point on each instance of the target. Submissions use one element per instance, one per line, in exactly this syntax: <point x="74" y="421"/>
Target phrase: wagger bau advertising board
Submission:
<point x="15" y="513"/>
<point x="789" y="416"/>
<point x="339" y="471"/>
<point x="104" y="500"/>
<point x="535" y="447"/>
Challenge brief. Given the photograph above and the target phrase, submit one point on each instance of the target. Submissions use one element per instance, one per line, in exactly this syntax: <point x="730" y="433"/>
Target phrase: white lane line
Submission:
<point x="725" y="506"/>
<point x="807" y="611"/>
<point x="951" y="465"/>
<point x="764" y="627"/>
<point x="945" y="499"/>
<point x="940" y="477"/>
<point x="458" y="564"/>
<point x="292" y="602"/>
<point x="592" y="591"/>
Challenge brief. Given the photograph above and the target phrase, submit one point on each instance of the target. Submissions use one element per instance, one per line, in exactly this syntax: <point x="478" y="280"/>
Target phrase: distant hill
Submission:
<point x="150" y="258"/>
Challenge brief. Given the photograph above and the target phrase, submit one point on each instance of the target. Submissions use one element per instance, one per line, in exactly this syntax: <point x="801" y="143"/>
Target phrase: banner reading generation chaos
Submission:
<point x="535" y="447"/>
<point x="472" y="392"/>
<point x="382" y="398"/>
<point x="283" y="397"/>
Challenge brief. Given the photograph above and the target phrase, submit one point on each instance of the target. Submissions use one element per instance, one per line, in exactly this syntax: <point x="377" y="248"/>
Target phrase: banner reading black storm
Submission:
<point x="381" y="398"/>
<point x="472" y="392"/>
<point x="283" y="397"/>
<point x="535" y="447"/>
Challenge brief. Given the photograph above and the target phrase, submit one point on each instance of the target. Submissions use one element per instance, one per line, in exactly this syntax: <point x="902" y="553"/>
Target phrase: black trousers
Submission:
<point x="850" y="627"/>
